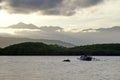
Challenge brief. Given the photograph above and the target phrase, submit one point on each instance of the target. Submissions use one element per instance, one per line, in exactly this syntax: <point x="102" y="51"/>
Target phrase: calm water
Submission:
<point x="52" y="68"/>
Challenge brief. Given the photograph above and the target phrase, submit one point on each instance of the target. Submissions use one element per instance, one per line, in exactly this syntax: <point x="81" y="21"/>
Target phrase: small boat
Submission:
<point x="86" y="58"/>
<point x="66" y="60"/>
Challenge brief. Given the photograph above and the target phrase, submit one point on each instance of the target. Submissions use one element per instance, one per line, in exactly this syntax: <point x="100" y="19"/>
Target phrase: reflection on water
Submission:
<point x="52" y="68"/>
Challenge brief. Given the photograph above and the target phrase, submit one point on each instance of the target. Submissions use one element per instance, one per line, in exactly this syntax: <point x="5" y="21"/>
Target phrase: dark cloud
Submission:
<point x="70" y="6"/>
<point x="0" y="4"/>
<point x="48" y="7"/>
<point x="30" y="6"/>
<point x="1" y="1"/>
<point x="87" y="3"/>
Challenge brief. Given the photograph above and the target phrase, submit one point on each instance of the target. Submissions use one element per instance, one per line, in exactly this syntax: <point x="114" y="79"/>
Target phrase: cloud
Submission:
<point x="30" y="6"/>
<point x="1" y="1"/>
<point x="0" y="4"/>
<point x="48" y="7"/>
<point x="51" y="29"/>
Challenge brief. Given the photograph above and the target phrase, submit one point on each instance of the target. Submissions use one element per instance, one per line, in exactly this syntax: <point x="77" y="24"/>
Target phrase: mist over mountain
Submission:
<point x="6" y="41"/>
<point x="83" y="37"/>
<point x="112" y="29"/>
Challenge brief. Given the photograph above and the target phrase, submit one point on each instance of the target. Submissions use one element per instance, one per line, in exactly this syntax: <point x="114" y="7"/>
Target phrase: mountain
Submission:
<point x="112" y="29"/>
<point x="23" y="26"/>
<point x="6" y="41"/>
<point x="74" y="36"/>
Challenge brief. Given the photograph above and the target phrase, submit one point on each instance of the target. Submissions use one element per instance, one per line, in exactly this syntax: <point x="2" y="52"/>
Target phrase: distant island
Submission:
<point x="38" y="48"/>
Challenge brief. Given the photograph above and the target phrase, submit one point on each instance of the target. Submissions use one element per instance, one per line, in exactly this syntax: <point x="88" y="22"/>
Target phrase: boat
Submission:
<point x="66" y="60"/>
<point x="86" y="58"/>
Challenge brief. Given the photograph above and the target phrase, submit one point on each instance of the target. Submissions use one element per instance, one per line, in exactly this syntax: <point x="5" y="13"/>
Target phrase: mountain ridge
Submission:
<point x="22" y="25"/>
<point x="6" y="41"/>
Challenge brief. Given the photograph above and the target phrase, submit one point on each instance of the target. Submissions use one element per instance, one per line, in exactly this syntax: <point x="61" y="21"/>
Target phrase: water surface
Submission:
<point x="52" y="68"/>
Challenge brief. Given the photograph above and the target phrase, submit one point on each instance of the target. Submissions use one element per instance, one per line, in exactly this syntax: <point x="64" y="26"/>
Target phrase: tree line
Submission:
<point x="38" y="48"/>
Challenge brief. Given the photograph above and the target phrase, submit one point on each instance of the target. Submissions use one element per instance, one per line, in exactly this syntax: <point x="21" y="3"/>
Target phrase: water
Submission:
<point x="52" y="68"/>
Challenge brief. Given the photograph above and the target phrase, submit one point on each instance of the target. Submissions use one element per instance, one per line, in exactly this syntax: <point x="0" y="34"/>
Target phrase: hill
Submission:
<point x="33" y="48"/>
<point x="0" y="50"/>
<point x="96" y="49"/>
<point x="6" y="41"/>
<point x="38" y="48"/>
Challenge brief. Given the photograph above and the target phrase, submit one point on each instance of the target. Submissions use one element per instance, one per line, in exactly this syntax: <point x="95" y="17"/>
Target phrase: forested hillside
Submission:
<point x="0" y="50"/>
<point x="37" y="48"/>
<point x="33" y="48"/>
<point x="97" y="49"/>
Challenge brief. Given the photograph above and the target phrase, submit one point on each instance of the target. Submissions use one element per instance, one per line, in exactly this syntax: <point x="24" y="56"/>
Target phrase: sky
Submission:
<point x="81" y="14"/>
<point x="79" y="22"/>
